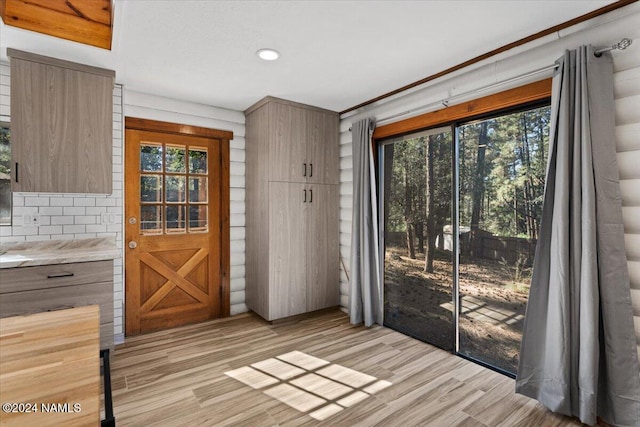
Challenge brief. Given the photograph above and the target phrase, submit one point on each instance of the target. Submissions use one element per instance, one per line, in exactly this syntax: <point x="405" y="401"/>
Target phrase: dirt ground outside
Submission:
<point x="493" y="302"/>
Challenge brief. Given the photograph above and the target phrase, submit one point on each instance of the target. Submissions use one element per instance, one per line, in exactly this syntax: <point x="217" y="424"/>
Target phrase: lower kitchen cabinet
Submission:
<point x="27" y="290"/>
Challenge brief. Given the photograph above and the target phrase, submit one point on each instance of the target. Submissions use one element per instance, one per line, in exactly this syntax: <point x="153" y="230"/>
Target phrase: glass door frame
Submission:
<point x="454" y="126"/>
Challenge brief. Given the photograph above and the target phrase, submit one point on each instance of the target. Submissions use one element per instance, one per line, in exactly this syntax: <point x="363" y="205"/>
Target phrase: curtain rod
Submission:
<point x="621" y="45"/>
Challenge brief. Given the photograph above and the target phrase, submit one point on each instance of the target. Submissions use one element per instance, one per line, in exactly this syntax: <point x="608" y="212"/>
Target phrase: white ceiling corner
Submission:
<point x="334" y="54"/>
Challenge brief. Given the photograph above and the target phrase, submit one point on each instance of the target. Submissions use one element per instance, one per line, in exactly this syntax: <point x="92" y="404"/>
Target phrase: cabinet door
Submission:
<point x="323" y="285"/>
<point x="61" y="125"/>
<point x="287" y="249"/>
<point x="287" y="143"/>
<point x="322" y="149"/>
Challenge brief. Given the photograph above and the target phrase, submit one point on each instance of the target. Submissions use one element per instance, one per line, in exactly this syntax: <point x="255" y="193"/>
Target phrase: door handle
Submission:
<point x="133" y="244"/>
<point x="305" y="196"/>
<point x="304" y="169"/>
<point x="59" y="275"/>
<point x="310" y="169"/>
<point x="310" y="196"/>
<point x="17" y="175"/>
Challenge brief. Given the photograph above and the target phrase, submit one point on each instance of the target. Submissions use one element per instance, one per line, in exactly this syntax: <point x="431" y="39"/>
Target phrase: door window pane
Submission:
<point x="502" y="170"/>
<point x="198" y="218"/>
<point x="418" y="273"/>
<point x="175" y="189"/>
<point x="176" y="218"/>
<point x="197" y="190"/>
<point x="150" y="157"/>
<point x="174" y="159"/>
<point x="198" y="160"/>
<point x="150" y="188"/>
<point x="151" y="219"/>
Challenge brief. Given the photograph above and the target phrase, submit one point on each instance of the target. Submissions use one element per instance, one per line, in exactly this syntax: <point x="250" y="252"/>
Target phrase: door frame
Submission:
<point x="223" y="138"/>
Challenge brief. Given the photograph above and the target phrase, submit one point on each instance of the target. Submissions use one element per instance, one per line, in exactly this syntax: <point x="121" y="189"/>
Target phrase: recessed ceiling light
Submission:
<point x="268" y="54"/>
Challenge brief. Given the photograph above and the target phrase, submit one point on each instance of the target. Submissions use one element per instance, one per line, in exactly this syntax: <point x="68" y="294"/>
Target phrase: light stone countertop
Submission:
<point x="29" y="254"/>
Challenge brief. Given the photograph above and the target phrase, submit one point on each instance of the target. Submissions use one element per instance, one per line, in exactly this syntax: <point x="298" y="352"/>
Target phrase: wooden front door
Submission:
<point x="176" y="266"/>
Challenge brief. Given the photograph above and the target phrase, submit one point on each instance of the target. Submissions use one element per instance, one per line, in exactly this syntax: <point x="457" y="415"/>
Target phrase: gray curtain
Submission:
<point x="578" y="354"/>
<point x="365" y="296"/>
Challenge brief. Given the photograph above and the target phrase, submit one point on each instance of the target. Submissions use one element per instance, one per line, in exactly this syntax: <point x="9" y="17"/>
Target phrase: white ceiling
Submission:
<point x="334" y="54"/>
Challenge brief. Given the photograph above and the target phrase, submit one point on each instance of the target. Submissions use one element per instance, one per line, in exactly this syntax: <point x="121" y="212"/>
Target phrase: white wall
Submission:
<point x="154" y="107"/>
<point x="77" y="216"/>
<point x="601" y="31"/>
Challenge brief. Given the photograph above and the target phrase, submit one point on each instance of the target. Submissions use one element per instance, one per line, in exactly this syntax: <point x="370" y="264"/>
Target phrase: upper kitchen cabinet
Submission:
<point x="303" y="141"/>
<point x="61" y="125"/>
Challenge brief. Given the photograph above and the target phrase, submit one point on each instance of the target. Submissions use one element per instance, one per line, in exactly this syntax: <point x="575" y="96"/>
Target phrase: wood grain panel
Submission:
<point x="287" y="143"/>
<point x="173" y="279"/>
<point x="62" y="121"/>
<point x="51" y="358"/>
<point x="322" y="148"/>
<point x="323" y="283"/>
<point x="287" y="249"/>
<point x="82" y="21"/>
<point x="521" y="95"/>
<point x="30" y="278"/>
<point x="177" y="377"/>
<point x="29" y="302"/>
<point x="175" y="128"/>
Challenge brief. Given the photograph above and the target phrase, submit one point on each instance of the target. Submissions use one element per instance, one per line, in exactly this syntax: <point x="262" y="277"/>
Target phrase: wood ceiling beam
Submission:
<point x="84" y="21"/>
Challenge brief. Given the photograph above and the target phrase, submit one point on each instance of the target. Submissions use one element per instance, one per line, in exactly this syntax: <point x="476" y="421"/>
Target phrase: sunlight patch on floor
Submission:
<point x="307" y="383"/>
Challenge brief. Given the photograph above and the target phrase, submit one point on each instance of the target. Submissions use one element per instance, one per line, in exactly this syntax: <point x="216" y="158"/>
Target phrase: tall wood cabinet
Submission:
<point x="61" y="125"/>
<point x="292" y="169"/>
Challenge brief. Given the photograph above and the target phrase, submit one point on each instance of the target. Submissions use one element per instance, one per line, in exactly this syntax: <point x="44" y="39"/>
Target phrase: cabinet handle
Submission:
<point x="310" y="169"/>
<point x="304" y="170"/>
<point x="59" y="275"/>
<point x="17" y="172"/>
<point x="305" y="196"/>
<point x="310" y="196"/>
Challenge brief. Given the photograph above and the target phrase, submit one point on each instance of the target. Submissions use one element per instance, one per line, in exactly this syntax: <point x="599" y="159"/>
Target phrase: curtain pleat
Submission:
<point x="365" y="296"/>
<point x="578" y="354"/>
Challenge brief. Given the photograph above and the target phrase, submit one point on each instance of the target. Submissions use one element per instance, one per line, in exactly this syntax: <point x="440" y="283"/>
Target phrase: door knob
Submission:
<point x="133" y="244"/>
<point x="132" y="220"/>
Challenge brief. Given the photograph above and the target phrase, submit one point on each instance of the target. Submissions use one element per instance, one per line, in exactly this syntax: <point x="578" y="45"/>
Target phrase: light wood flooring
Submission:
<point x="177" y="377"/>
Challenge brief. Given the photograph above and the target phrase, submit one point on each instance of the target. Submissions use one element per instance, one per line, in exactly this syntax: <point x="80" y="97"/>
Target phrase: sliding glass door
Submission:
<point x="416" y="212"/>
<point x="460" y="223"/>
<point x="502" y="164"/>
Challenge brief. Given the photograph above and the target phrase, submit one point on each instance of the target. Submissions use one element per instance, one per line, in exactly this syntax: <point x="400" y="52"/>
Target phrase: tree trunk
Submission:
<point x="419" y="228"/>
<point x="407" y="216"/>
<point x="478" y="185"/>
<point x="431" y="209"/>
<point x="388" y="175"/>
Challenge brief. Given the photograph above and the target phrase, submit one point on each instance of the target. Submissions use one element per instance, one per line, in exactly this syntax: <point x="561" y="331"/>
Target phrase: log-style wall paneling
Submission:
<point x="83" y="21"/>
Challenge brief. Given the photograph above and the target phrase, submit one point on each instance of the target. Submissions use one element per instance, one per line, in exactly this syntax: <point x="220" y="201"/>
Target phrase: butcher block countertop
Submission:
<point x="29" y="254"/>
<point x="50" y="368"/>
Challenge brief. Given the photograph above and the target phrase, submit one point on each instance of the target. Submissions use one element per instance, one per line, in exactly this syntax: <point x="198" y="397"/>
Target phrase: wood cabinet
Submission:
<point x="27" y="290"/>
<point x="292" y="208"/>
<point x="61" y="125"/>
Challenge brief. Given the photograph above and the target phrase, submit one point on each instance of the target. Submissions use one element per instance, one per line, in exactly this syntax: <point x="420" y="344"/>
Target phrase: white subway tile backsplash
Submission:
<point x="84" y="201"/>
<point x="61" y="220"/>
<point x="74" y="210"/>
<point x="96" y="228"/>
<point x="36" y="201"/>
<point x="50" y="210"/>
<point x="73" y="229"/>
<point x="86" y="219"/>
<point x="50" y="229"/>
<point x="110" y="201"/>
<point x="59" y="201"/>
<point x="96" y="210"/>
